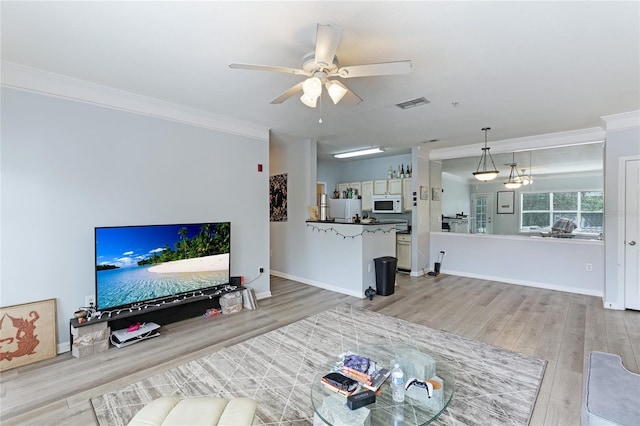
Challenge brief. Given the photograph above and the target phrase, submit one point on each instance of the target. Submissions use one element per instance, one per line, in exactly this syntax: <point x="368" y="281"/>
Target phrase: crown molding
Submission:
<point x="528" y="143"/>
<point x="35" y="80"/>
<point x="625" y="120"/>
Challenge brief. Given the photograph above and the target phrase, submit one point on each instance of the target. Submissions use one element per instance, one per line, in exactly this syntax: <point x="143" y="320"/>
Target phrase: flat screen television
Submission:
<point x="150" y="264"/>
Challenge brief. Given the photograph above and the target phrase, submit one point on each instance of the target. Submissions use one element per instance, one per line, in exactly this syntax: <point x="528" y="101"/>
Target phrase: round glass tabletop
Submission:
<point x="417" y="409"/>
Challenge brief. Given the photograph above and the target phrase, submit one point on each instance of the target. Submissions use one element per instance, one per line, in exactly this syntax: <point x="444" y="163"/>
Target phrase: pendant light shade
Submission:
<point x="481" y="173"/>
<point x="514" y="181"/>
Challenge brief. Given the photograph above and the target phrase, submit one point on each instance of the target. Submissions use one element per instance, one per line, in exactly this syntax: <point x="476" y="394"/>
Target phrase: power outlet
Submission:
<point x="90" y="301"/>
<point x="589" y="267"/>
<point x="261" y="270"/>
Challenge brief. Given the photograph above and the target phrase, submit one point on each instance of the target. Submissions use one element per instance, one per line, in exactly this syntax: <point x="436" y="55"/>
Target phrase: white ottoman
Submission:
<point x="204" y="411"/>
<point x="611" y="394"/>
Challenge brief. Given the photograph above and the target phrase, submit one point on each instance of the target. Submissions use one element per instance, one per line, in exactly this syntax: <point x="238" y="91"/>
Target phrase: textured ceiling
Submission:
<point x="522" y="68"/>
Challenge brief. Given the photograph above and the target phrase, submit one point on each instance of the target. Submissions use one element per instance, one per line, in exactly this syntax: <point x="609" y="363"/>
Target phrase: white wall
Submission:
<point x="289" y="248"/>
<point x="622" y="142"/>
<point x="550" y="263"/>
<point x="68" y="167"/>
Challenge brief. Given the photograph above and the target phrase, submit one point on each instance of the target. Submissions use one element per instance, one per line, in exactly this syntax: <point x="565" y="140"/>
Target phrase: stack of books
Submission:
<point x="367" y="372"/>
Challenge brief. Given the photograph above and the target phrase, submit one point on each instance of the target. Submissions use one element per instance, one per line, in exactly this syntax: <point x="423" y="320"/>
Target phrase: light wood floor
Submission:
<point x="559" y="327"/>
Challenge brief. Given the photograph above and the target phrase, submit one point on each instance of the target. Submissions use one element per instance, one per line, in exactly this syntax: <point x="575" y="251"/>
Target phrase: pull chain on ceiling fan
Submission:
<point x="322" y="65"/>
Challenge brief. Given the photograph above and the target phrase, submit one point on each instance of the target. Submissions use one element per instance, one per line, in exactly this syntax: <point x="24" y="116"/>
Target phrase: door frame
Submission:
<point x="621" y="241"/>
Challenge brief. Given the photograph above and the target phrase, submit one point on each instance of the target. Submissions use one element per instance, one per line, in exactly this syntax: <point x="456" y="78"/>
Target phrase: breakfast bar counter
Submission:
<point x="343" y="253"/>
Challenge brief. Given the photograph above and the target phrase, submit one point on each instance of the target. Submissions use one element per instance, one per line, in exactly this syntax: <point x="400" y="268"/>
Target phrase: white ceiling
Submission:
<point x="522" y="68"/>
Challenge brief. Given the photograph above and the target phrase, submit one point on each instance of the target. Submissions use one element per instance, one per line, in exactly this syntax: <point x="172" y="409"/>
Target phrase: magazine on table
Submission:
<point x="367" y="372"/>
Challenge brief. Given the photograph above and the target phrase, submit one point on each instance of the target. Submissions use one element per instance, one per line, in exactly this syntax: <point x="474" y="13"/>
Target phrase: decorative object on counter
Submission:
<point x="313" y="213"/>
<point x="324" y="207"/>
<point x="483" y="174"/>
<point x="278" y="198"/>
<point x="335" y="231"/>
<point x="28" y="333"/>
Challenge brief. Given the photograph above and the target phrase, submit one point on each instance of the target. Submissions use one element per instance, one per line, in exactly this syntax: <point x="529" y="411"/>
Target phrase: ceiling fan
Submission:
<point x="320" y="66"/>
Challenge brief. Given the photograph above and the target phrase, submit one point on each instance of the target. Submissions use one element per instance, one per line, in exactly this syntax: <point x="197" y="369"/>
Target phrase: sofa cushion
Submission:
<point x="202" y="411"/>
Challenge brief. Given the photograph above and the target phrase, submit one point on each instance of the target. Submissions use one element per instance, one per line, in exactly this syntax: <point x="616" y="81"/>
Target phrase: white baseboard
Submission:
<point x="318" y="284"/>
<point x="611" y="305"/>
<point x="535" y="284"/>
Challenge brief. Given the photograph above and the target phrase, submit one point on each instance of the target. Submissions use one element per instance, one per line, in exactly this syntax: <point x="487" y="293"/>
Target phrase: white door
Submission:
<point x="632" y="235"/>
<point x="482" y="210"/>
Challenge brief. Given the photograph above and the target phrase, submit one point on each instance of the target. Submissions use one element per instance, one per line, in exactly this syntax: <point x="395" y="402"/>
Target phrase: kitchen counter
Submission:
<point x="352" y="222"/>
<point x="343" y="254"/>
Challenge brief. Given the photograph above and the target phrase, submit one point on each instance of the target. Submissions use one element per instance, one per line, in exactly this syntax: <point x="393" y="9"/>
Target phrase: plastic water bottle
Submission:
<point x="397" y="383"/>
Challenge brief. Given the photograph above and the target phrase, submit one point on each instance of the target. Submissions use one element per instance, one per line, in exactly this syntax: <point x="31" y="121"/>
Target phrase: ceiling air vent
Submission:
<point x="412" y="103"/>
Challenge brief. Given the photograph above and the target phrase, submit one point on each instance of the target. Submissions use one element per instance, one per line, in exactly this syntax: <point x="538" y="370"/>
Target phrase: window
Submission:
<point x="540" y="210"/>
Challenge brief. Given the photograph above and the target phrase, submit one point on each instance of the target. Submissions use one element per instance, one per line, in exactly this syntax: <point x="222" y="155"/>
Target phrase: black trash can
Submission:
<point x="385" y="275"/>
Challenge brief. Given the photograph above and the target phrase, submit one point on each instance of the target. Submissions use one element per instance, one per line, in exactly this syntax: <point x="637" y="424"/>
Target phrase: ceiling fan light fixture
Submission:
<point x="312" y="87"/>
<point x="308" y="100"/>
<point x="360" y="152"/>
<point x="336" y="90"/>
<point x="483" y="174"/>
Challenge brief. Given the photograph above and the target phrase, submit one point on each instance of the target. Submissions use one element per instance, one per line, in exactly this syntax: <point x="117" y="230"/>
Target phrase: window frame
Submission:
<point x="551" y="212"/>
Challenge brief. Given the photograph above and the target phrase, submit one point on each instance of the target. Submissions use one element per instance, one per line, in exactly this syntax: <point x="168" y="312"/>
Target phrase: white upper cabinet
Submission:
<point x="380" y="187"/>
<point x="367" y="195"/>
<point x="395" y="186"/>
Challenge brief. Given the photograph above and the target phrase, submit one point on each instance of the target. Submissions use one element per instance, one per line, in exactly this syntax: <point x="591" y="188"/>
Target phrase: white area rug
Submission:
<point x="493" y="386"/>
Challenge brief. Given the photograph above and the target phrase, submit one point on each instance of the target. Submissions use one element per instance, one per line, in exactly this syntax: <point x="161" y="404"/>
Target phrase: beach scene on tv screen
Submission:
<point x="141" y="263"/>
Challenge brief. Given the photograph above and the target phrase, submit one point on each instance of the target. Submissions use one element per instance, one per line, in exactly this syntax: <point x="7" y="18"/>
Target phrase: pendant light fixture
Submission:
<point x="514" y="181"/>
<point x="483" y="174"/>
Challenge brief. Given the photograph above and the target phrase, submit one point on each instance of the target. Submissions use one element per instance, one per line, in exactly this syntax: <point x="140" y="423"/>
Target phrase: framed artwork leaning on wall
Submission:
<point x="27" y="333"/>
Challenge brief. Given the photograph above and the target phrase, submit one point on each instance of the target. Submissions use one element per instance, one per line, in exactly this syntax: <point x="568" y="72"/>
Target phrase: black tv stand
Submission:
<point x="163" y="311"/>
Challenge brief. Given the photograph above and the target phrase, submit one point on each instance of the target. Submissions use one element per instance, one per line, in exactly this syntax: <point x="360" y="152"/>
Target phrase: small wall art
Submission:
<point x="278" y="198"/>
<point x="505" y="202"/>
<point x="27" y="333"/>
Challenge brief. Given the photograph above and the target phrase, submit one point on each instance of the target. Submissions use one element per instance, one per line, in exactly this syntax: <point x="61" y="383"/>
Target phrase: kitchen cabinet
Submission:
<point x="387" y="186"/>
<point x="380" y="187"/>
<point x="367" y="195"/>
<point x="407" y="194"/>
<point x="403" y="251"/>
<point x="395" y="186"/>
<point x="355" y="186"/>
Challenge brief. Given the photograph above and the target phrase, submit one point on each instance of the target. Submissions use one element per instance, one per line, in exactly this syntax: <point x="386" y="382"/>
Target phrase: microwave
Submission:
<point x="387" y="204"/>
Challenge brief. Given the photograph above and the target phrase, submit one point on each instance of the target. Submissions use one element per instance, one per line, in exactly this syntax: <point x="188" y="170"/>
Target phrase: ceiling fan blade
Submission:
<point x="270" y="68"/>
<point x="288" y="93"/>
<point x="383" y="68"/>
<point x="351" y="98"/>
<point x="327" y="41"/>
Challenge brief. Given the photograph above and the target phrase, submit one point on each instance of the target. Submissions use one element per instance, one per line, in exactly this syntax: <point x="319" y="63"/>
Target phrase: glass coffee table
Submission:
<point x="331" y="408"/>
